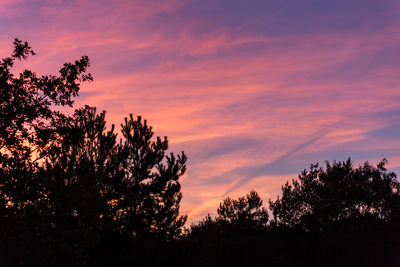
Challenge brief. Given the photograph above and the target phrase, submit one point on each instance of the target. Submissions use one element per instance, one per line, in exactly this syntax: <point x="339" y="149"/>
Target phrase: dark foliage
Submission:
<point x="338" y="216"/>
<point x="246" y="211"/>
<point x="324" y="197"/>
<point x="26" y="128"/>
<point x="230" y="237"/>
<point x="72" y="194"/>
<point x="68" y="189"/>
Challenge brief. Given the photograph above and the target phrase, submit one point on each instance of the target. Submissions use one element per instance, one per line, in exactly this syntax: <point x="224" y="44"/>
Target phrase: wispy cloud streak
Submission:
<point x="232" y="83"/>
<point x="273" y="165"/>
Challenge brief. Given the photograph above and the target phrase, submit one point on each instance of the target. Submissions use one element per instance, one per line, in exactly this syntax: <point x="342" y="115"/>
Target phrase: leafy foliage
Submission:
<point x="148" y="195"/>
<point x="229" y="238"/>
<point x="66" y="182"/>
<point x="26" y="127"/>
<point x="74" y="194"/>
<point x="245" y="213"/>
<point x="338" y="216"/>
<point x="340" y="192"/>
<point x="244" y="210"/>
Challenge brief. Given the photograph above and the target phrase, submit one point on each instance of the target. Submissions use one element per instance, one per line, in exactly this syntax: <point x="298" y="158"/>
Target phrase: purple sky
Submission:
<point x="253" y="91"/>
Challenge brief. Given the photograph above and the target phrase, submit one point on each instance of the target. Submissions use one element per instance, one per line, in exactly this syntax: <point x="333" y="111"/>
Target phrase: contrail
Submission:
<point x="249" y="177"/>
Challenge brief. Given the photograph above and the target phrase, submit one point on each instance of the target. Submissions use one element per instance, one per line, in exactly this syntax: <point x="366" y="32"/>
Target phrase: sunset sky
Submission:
<point x="253" y="91"/>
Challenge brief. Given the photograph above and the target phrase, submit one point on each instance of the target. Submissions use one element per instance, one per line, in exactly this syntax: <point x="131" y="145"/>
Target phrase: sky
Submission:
<point x="253" y="91"/>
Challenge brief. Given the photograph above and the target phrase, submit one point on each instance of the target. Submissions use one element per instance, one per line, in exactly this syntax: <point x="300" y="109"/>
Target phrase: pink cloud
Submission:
<point x="196" y="86"/>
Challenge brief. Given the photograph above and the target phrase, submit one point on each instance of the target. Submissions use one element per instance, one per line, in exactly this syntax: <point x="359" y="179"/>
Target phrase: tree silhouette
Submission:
<point x="128" y="188"/>
<point x="67" y="185"/>
<point x="232" y="238"/>
<point x="244" y="210"/>
<point x="340" y="192"/>
<point x="340" y="215"/>
<point x="74" y="194"/>
<point x="26" y="127"/>
<point x="148" y="195"/>
<point x="243" y="213"/>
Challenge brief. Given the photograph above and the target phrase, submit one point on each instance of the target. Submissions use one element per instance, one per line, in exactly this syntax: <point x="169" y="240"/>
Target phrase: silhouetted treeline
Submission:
<point x="339" y="215"/>
<point x="72" y="194"/>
